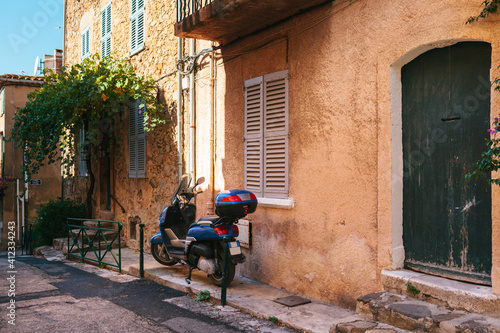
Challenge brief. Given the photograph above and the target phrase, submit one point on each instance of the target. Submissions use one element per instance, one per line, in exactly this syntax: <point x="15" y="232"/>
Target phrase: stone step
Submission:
<point x="442" y="291"/>
<point x="414" y="315"/>
<point x="357" y="324"/>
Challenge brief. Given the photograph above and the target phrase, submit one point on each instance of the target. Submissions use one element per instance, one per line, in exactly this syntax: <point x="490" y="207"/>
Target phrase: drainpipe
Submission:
<point x="210" y="202"/>
<point x="17" y="206"/>
<point x="62" y="64"/>
<point x="179" y="112"/>
<point x="192" y="153"/>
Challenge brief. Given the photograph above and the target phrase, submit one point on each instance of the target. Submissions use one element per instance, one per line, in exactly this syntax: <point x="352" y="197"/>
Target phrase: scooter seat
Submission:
<point x="206" y="220"/>
<point x="211" y="218"/>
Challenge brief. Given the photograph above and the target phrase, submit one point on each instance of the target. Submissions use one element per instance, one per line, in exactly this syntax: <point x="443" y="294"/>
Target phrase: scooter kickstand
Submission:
<point x="188" y="279"/>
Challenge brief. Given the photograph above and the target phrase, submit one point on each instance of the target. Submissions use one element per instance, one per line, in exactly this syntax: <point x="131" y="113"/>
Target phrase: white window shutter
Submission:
<point x="103" y="22"/>
<point x="85" y="43"/>
<point x="108" y="19"/>
<point x="276" y="135"/>
<point x="106" y="31"/>
<point x="133" y="6"/>
<point x="133" y="34"/>
<point x="140" y="30"/>
<point x="137" y="25"/>
<point x="253" y="136"/>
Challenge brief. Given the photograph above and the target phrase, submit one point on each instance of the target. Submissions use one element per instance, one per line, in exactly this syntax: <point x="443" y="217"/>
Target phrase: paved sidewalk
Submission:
<point x="249" y="296"/>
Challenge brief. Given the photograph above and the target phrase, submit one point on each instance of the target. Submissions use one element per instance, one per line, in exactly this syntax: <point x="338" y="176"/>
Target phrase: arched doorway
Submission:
<point x="445" y="114"/>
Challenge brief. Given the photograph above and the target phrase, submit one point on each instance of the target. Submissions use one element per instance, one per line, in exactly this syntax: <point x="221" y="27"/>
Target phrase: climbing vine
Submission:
<point x="490" y="159"/>
<point x="489" y="7"/>
<point x="89" y="96"/>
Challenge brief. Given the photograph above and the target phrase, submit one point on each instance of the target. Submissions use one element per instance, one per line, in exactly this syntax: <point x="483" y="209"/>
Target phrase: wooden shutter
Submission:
<point x="276" y="135"/>
<point x="137" y="25"/>
<point x="266" y="135"/>
<point x="83" y="164"/>
<point x="137" y="140"/>
<point x="141" y="141"/>
<point x="85" y="43"/>
<point x="106" y="31"/>
<point x="132" y="142"/>
<point x="253" y="135"/>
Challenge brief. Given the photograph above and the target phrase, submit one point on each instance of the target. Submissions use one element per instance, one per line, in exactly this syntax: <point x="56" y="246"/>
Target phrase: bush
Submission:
<point x="50" y="221"/>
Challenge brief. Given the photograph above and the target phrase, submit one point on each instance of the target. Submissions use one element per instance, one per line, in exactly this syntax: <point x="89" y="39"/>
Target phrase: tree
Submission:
<point x="87" y="96"/>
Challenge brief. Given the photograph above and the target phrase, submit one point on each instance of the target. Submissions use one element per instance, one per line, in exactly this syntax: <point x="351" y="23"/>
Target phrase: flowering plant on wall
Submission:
<point x="490" y="159"/>
<point x="4" y="182"/>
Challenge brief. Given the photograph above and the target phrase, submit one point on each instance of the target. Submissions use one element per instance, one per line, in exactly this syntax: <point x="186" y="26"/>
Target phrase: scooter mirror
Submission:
<point x="200" y="180"/>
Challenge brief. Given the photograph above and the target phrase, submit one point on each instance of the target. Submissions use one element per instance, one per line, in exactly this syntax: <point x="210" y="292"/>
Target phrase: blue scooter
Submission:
<point x="200" y="244"/>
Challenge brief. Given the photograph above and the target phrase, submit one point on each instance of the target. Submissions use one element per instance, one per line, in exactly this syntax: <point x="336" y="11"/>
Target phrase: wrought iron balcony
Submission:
<point x="188" y="7"/>
<point x="226" y="20"/>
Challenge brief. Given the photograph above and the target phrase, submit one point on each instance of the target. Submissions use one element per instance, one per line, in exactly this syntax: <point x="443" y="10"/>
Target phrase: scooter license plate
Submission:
<point x="234" y="248"/>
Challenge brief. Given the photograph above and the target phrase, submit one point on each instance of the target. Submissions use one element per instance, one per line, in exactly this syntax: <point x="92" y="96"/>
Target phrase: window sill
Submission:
<point x="133" y="53"/>
<point x="276" y="203"/>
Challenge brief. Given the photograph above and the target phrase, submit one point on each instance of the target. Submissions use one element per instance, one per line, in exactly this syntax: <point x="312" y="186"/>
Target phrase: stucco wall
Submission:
<point x="345" y="226"/>
<point x="144" y="198"/>
<point x="343" y="61"/>
<point x="16" y="97"/>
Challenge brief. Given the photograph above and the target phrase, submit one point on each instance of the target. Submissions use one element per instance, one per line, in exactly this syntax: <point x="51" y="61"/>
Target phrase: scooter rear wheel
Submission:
<point x="216" y="278"/>
<point x="160" y="254"/>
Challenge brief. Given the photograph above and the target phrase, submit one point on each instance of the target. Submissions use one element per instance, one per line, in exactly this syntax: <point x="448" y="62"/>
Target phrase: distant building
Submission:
<point x="46" y="184"/>
<point x="53" y="62"/>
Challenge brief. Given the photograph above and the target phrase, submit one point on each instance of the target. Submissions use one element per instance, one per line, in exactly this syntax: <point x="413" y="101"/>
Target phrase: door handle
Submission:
<point x="451" y="118"/>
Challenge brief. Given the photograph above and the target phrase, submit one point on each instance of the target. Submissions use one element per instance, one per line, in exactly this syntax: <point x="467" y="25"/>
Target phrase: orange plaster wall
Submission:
<point x="344" y="226"/>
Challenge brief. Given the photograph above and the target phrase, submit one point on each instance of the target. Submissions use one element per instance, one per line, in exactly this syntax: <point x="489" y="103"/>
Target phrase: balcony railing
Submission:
<point x="189" y="7"/>
<point x="225" y="21"/>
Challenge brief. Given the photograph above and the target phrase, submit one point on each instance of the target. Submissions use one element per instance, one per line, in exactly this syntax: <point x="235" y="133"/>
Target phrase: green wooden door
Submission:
<point x="446" y="112"/>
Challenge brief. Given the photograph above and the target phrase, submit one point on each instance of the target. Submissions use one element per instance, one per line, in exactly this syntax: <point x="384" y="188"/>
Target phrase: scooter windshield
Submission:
<point x="183" y="186"/>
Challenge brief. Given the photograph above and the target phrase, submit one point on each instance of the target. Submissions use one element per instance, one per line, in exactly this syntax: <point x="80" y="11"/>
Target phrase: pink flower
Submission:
<point x="492" y="131"/>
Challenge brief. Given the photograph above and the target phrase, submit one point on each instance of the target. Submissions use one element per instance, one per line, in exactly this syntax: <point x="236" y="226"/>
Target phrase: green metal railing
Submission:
<point x="93" y="240"/>
<point x="29" y="239"/>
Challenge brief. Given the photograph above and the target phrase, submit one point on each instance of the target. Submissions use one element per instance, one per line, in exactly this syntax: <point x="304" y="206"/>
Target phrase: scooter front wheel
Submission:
<point x="216" y="278"/>
<point x="161" y="255"/>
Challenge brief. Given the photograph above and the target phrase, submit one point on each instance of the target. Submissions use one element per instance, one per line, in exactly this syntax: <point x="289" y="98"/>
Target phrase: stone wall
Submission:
<point x="142" y="199"/>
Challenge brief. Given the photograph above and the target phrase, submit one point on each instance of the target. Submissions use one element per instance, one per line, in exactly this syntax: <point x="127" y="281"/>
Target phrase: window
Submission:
<point x="83" y="154"/>
<point x="106" y="30"/>
<point x="136" y="26"/>
<point x="266" y="135"/>
<point x="136" y="140"/>
<point x="85" y="43"/>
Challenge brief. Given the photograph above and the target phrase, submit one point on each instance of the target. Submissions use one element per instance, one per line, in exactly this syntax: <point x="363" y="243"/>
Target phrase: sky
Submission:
<point x="29" y="28"/>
